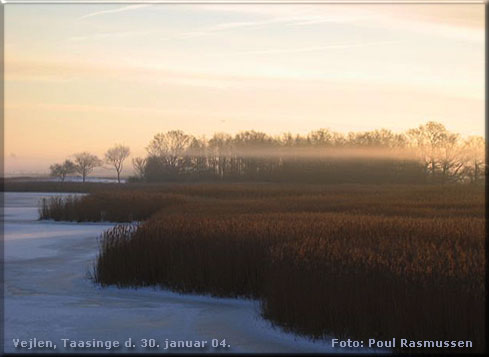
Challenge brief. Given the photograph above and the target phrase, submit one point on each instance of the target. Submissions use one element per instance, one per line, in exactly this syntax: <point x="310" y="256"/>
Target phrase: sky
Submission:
<point x="84" y="77"/>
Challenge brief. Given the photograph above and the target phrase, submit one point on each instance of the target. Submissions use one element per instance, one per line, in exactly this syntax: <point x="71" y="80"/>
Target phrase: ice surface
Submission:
<point x="49" y="296"/>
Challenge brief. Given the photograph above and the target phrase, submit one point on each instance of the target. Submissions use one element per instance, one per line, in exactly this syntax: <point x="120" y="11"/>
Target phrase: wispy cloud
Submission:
<point x="450" y="23"/>
<point x="104" y="35"/>
<point x="312" y="48"/>
<point x="111" y="11"/>
<point x="20" y="70"/>
<point x="286" y="20"/>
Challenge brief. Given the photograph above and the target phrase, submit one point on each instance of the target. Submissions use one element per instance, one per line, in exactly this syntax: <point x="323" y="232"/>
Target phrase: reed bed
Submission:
<point x="120" y="206"/>
<point x="125" y="204"/>
<point x="317" y="274"/>
<point x="346" y="261"/>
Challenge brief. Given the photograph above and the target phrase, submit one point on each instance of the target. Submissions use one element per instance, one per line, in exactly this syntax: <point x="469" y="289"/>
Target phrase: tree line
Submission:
<point x="428" y="153"/>
<point x="84" y="163"/>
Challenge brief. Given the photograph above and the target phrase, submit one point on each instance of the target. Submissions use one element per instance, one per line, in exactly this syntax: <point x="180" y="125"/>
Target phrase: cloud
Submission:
<point x="313" y="48"/>
<point x="454" y="22"/>
<point x="305" y="19"/>
<point x="21" y="70"/>
<point x="265" y="15"/>
<point x="111" y="11"/>
<point x="104" y="35"/>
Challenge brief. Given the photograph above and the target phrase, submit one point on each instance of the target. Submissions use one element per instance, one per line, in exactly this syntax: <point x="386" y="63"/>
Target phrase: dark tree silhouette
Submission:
<point x="139" y="164"/>
<point x="428" y="153"/>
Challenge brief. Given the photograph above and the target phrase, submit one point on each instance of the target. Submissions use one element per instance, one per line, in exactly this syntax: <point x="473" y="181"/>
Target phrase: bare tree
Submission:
<point x="382" y="138"/>
<point x="440" y="150"/>
<point x="170" y="146"/>
<point x="116" y="156"/>
<point x="321" y="137"/>
<point x="426" y="139"/>
<point x="139" y="165"/>
<point x="220" y="150"/>
<point x="451" y="157"/>
<point x="474" y="149"/>
<point x="251" y="155"/>
<point x="55" y="170"/>
<point x="85" y="163"/>
<point x="61" y="170"/>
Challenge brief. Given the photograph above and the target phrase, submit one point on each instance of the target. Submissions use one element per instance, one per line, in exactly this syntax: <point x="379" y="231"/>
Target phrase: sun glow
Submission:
<point x="82" y="77"/>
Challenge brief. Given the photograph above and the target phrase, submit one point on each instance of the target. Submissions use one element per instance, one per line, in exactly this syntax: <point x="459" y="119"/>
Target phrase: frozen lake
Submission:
<point x="48" y="296"/>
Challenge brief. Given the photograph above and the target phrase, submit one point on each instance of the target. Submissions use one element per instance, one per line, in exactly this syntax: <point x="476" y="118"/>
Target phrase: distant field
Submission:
<point x="360" y="261"/>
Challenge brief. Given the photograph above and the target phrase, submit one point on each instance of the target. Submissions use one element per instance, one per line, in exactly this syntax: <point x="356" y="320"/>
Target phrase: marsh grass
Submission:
<point x="119" y="206"/>
<point x="348" y="261"/>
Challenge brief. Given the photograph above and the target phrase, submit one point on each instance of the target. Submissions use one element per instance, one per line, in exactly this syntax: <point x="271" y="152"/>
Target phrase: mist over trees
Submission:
<point x="475" y="158"/>
<point x="429" y="153"/>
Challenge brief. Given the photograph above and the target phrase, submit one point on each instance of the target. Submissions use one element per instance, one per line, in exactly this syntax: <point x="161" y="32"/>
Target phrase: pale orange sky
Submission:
<point x="83" y="77"/>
